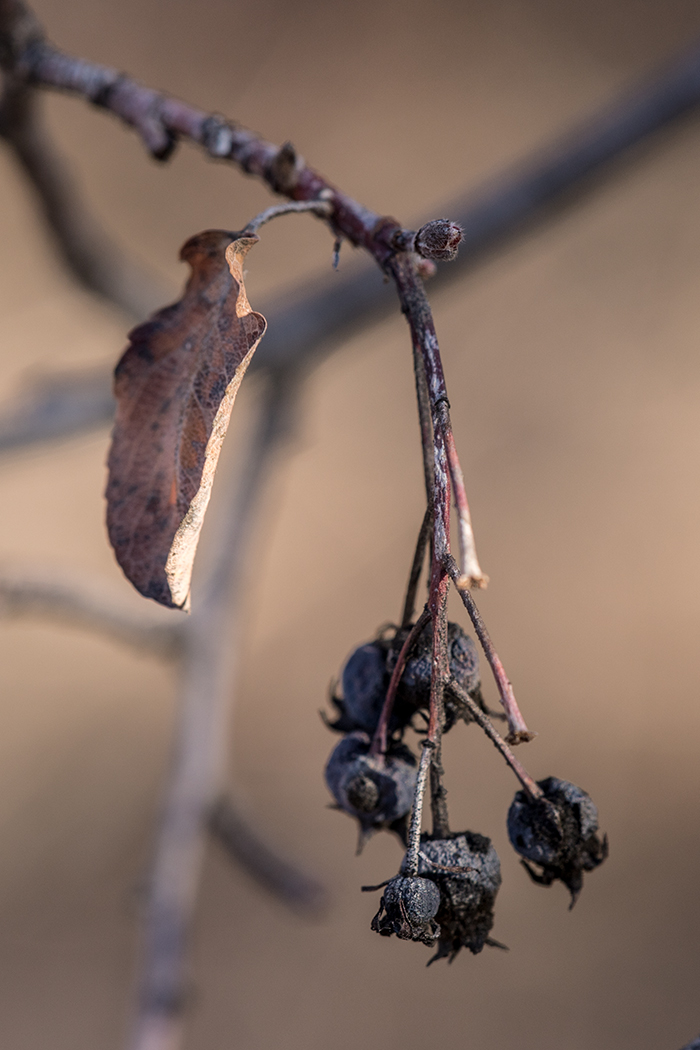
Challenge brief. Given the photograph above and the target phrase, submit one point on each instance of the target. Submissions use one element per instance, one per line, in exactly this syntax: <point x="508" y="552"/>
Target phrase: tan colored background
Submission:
<point x="573" y="367"/>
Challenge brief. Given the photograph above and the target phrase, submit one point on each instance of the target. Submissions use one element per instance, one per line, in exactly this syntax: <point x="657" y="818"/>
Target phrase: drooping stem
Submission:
<point x="321" y="207"/>
<point x="380" y="735"/>
<point x="425" y="421"/>
<point x="438" y="680"/>
<point x="518" y="733"/>
<point x="410" y="864"/>
<point x="437" y="603"/>
<point x="472" y="576"/>
<point x="416" y="568"/>
<point x="431" y="391"/>
<point x="481" y="719"/>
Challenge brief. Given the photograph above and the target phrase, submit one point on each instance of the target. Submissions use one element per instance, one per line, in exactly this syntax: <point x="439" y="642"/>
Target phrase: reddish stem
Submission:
<point x="472" y="576"/>
<point x="161" y="120"/>
<point x="518" y="733"/>
<point x="475" y="712"/>
<point x="416" y="568"/>
<point x="380" y="734"/>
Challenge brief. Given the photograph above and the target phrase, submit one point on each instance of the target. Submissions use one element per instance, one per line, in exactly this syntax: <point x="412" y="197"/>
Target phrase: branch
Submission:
<point x="432" y="394"/>
<point x="410" y="864"/>
<point x="282" y="879"/>
<point x="90" y="609"/>
<point x="56" y="407"/>
<point x="197" y="776"/>
<point x="89" y="254"/>
<point x="472" y="576"/>
<point x="303" y="325"/>
<point x="161" y="121"/>
<point x="416" y="569"/>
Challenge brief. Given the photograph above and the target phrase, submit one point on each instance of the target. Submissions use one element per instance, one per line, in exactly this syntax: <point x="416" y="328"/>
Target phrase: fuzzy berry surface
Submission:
<point x="558" y="833"/>
<point x="466" y="869"/>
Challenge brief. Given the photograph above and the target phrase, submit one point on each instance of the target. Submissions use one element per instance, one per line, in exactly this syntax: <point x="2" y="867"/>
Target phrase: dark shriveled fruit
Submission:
<point x="364" y="681"/>
<point x="414" y="687"/>
<point x="466" y="869"/>
<point x="408" y="908"/>
<point x="377" y="790"/>
<point x="367" y="672"/>
<point x="557" y="833"/>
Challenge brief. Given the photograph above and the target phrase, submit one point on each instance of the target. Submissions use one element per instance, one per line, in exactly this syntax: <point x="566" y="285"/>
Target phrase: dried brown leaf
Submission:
<point x="175" y="386"/>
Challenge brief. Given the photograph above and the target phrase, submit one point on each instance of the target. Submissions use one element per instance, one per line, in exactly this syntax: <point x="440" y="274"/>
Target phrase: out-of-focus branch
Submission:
<point x="305" y="324"/>
<point x="89" y="254"/>
<point x="242" y="844"/>
<point x="197" y="777"/>
<point x="57" y="406"/>
<point x="90" y="609"/>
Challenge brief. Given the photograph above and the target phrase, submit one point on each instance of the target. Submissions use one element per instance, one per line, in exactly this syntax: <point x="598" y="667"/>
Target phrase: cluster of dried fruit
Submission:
<point x="444" y="893"/>
<point x="377" y="787"/>
<point x="175" y="387"/>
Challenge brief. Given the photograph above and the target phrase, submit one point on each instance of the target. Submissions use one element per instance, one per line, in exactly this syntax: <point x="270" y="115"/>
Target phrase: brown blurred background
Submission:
<point x="574" y="375"/>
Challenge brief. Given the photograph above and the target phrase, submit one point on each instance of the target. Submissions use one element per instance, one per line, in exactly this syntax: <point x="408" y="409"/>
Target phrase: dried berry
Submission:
<point x="364" y="681"/>
<point x="377" y="790"/>
<point x="466" y="869"/>
<point x="408" y="908"/>
<point x="557" y="833"/>
<point x="367" y="672"/>
<point x="414" y="688"/>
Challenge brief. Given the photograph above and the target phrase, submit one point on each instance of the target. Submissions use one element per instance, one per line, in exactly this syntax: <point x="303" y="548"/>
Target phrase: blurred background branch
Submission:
<point x="306" y="323"/>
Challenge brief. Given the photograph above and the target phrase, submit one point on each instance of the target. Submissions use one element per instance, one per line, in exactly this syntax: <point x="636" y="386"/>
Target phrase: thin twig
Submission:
<point x="426" y="426"/>
<point x="415" y="306"/>
<point x="304" y="324"/>
<point x="284" y="880"/>
<point x="409" y="604"/>
<point x="455" y="869"/>
<point x="438" y="681"/>
<point x="472" y="576"/>
<point x="379" y="741"/>
<point x="518" y="733"/>
<point x="478" y="716"/>
<point x="505" y="207"/>
<point x="410" y="864"/>
<point x="427" y="363"/>
<point x="197" y="777"/>
<point x="321" y="207"/>
<point x="161" y="120"/>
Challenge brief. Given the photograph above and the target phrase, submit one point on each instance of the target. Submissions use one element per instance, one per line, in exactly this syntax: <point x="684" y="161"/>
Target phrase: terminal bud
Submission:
<point x="438" y="239"/>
